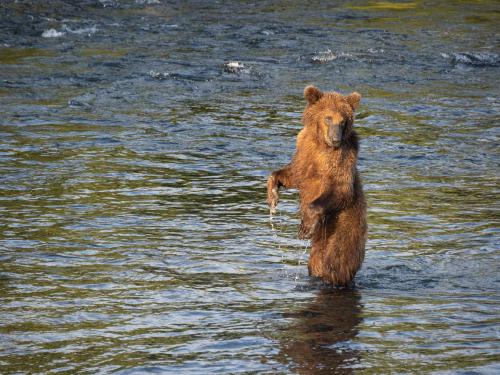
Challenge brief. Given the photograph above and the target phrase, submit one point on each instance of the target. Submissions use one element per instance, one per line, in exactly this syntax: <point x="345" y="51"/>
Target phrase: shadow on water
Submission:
<point x="134" y="233"/>
<point x="317" y="340"/>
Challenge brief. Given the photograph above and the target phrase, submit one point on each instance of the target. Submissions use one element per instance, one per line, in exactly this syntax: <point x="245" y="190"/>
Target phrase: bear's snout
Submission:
<point x="335" y="132"/>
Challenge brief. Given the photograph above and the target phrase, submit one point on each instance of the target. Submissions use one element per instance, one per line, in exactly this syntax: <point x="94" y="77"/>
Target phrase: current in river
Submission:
<point x="136" y="138"/>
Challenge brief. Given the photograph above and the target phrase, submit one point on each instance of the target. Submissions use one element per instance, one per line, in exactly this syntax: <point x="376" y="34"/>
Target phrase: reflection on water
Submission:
<point x="135" y="142"/>
<point x="319" y="339"/>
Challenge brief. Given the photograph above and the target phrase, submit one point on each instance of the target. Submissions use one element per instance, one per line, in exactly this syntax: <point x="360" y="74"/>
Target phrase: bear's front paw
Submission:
<point x="272" y="194"/>
<point x="309" y="225"/>
<point x="307" y="231"/>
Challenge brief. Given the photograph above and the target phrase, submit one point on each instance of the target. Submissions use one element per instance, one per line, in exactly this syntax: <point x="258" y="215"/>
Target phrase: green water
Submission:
<point x="134" y="233"/>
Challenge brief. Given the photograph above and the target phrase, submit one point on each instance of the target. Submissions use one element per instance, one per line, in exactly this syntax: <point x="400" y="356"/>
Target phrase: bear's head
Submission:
<point x="330" y="115"/>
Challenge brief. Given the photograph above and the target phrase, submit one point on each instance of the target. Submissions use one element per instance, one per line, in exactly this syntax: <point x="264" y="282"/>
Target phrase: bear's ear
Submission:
<point x="353" y="100"/>
<point x="312" y="94"/>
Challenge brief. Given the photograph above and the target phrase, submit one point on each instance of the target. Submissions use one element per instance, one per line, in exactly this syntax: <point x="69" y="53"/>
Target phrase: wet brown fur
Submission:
<point x="332" y="204"/>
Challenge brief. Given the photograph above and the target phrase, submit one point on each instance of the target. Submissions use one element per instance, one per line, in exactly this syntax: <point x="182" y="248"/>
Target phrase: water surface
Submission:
<point x="134" y="233"/>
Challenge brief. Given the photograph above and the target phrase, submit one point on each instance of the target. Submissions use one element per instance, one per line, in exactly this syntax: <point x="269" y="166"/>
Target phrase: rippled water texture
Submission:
<point x="135" y="141"/>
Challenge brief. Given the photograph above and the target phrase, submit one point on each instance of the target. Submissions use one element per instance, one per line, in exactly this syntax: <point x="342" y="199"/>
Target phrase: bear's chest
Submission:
<point x="318" y="165"/>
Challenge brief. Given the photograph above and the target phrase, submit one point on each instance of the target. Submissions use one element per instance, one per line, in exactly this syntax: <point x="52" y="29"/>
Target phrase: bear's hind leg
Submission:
<point x="345" y="249"/>
<point x="315" y="264"/>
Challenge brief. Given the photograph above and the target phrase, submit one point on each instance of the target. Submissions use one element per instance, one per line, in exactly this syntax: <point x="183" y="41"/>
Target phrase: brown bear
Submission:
<point x="332" y="204"/>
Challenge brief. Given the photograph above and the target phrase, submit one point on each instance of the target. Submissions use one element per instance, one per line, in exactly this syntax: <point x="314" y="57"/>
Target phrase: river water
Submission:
<point x="134" y="232"/>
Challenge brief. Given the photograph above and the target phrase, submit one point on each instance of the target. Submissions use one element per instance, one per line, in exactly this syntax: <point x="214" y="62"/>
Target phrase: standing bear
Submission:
<point x="332" y="204"/>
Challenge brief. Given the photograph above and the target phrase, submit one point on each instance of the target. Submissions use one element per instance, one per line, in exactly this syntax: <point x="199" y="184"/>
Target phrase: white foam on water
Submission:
<point x="324" y="56"/>
<point x="52" y="33"/>
<point x="374" y="50"/>
<point x="148" y="2"/>
<point x="328" y="55"/>
<point x="85" y="30"/>
<point x="159" y="75"/>
<point x="473" y="58"/>
<point x="107" y="3"/>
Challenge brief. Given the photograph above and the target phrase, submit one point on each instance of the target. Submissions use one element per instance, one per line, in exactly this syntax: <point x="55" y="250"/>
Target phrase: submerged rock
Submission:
<point x="474" y="58"/>
<point x="234" y="67"/>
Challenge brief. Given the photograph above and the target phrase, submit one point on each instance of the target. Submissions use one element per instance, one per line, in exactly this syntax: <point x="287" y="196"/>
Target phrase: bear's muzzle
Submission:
<point x="335" y="132"/>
